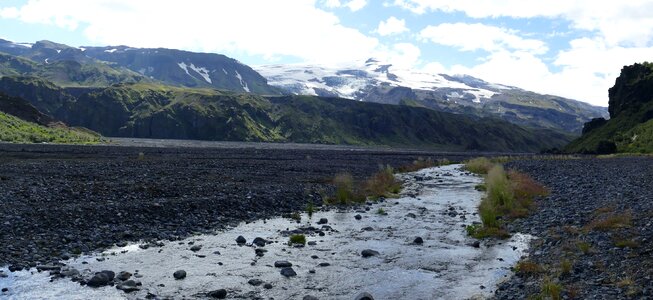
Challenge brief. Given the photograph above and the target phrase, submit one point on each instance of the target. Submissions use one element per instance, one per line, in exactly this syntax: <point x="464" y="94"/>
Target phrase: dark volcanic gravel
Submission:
<point x="603" y="262"/>
<point x="58" y="201"/>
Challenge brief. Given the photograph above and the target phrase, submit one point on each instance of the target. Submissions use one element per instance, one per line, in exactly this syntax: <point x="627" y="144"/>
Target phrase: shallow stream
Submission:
<point x="436" y="204"/>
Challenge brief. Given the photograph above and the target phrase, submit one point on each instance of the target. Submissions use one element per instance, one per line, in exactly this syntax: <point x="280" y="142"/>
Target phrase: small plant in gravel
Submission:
<point x="609" y="221"/>
<point x="528" y="268"/>
<point x="296" y="216"/>
<point x="310" y="209"/>
<point x="381" y="211"/>
<point x="584" y="247"/>
<point x="297" y="239"/>
<point x="550" y="289"/>
<point x="479" y="165"/>
<point x="626" y="243"/>
<point x="565" y="267"/>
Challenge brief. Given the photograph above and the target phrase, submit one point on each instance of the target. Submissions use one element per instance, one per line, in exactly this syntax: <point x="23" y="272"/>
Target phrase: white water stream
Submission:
<point x="445" y="266"/>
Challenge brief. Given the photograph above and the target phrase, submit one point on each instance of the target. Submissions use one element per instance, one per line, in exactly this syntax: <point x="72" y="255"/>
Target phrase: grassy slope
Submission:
<point x="13" y="129"/>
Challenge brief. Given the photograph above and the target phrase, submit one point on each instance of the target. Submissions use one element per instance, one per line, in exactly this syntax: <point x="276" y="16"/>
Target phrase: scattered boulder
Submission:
<point x="322" y="221"/>
<point x="368" y="228"/>
<point x="267" y="286"/>
<point x="98" y="280"/>
<point x="282" y="264"/>
<point x="309" y="297"/>
<point x="324" y="264"/>
<point x="358" y="217"/>
<point x="364" y="296"/>
<point x="4" y="290"/>
<point x="369" y="252"/>
<point x="241" y="240"/>
<point x="179" y="274"/>
<point x="128" y="286"/>
<point x="288" y="272"/>
<point x="255" y="282"/>
<point x="259" y="241"/>
<point x="411" y="215"/>
<point x="418" y="240"/>
<point x="196" y="248"/>
<point x="124" y="275"/>
<point x="218" y="294"/>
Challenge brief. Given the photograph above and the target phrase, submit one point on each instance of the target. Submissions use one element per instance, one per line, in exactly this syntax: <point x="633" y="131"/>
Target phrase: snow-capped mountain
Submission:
<point x="167" y="66"/>
<point x="356" y="82"/>
<point x="374" y="81"/>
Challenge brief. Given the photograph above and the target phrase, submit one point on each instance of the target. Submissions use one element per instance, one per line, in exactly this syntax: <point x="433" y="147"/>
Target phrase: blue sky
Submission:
<point x="571" y="48"/>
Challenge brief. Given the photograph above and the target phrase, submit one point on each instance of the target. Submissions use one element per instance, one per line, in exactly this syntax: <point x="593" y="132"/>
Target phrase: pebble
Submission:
<point x="241" y="240"/>
<point x="255" y="282"/>
<point x="282" y="264"/>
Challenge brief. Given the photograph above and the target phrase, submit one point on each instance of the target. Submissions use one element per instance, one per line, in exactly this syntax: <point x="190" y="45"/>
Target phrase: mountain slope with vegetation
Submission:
<point x="20" y="122"/>
<point x="156" y="111"/>
<point x="630" y="128"/>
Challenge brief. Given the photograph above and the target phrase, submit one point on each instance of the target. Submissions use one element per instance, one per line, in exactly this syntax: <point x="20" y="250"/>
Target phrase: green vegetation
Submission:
<point x="479" y="165"/>
<point x="584" y="247"/>
<point x="296" y="216"/>
<point x="381" y="211"/>
<point x="297" y="239"/>
<point x="550" y="290"/>
<point x="528" y="268"/>
<point x="630" y="128"/>
<point x="151" y="110"/>
<point x="380" y="184"/>
<point x="422" y="163"/>
<point x="607" y="220"/>
<point x="509" y="195"/>
<point x="310" y="209"/>
<point x="13" y="129"/>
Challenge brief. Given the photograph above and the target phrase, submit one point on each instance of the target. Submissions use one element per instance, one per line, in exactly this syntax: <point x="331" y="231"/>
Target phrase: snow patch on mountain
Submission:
<point x="202" y="71"/>
<point x="184" y="67"/>
<point x="111" y="50"/>
<point x="242" y="83"/>
<point x="356" y="80"/>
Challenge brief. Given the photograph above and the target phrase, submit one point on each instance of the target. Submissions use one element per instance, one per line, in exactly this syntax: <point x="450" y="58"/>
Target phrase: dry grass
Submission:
<point x="382" y="183"/>
<point x="611" y="221"/>
<point x="565" y="266"/>
<point x="479" y="165"/>
<point x="422" y="163"/>
<point x="550" y="289"/>
<point x="626" y="243"/>
<point x="584" y="247"/>
<point x="528" y="268"/>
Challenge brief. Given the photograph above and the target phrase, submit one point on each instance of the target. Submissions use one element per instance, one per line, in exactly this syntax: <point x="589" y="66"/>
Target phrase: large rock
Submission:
<point x="179" y="274"/>
<point x="288" y="272"/>
<point x="282" y="264"/>
<point x="369" y="252"/>
<point x="218" y="294"/>
<point x="364" y="296"/>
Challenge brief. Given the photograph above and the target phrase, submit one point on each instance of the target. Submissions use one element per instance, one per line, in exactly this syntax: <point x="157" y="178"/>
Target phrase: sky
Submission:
<point x="570" y="48"/>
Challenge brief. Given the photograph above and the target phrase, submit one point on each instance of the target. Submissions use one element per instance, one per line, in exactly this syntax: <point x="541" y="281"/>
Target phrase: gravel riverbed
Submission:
<point x="61" y="201"/>
<point x="595" y="229"/>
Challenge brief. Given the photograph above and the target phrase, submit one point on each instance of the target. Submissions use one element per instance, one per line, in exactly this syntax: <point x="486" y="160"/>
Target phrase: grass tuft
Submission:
<point x="606" y="221"/>
<point x="479" y="165"/>
<point x="297" y="239"/>
<point x="528" y="268"/>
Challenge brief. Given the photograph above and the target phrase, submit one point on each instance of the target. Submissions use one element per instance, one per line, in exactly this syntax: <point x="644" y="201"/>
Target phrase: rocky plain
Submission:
<point x="592" y="232"/>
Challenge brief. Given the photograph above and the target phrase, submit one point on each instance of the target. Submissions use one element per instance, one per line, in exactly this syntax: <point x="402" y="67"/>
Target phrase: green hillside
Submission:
<point x="630" y="128"/>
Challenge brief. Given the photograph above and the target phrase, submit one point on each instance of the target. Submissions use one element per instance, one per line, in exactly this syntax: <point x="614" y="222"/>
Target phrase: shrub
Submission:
<point x="382" y="183"/>
<point x="346" y="192"/>
<point x="381" y="211"/>
<point x="297" y="239"/>
<point x="480" y="165"/>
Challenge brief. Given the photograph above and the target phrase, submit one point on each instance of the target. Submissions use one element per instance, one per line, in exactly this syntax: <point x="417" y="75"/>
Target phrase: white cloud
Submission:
<point x="353" y="5"/>
<point x="470" y="37"/>
<point x="272" y="29"/>
<point x="356" y="5"/>
<point x="619" y="22"/>
<point x="332" y="3"/>
<point x="404" y="55"/>
<point x="391" y="26"/>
